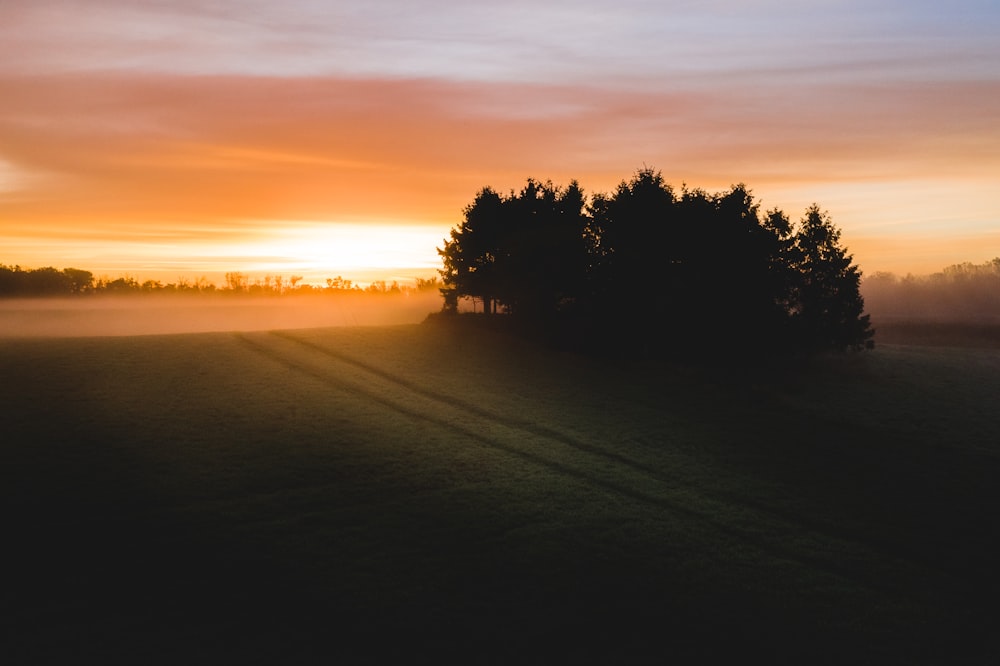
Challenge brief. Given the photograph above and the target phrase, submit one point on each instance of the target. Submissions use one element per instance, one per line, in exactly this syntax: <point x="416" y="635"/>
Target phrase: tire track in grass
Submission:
<point x="330" y="379"/>
<point x="472" y="408"/>
<point x="776" y="515"/>
<point x="776" y="527"/>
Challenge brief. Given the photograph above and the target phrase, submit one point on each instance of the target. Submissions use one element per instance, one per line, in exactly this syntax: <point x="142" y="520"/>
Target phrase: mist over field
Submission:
<point x="162" y="314"/>
<point x="963" y="293"/>
<point x="958" y="306"/>
<point x="964" y="299"/>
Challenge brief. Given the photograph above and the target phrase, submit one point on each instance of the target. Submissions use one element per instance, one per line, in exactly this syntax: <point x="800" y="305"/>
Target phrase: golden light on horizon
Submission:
<point x="358" y="250"/>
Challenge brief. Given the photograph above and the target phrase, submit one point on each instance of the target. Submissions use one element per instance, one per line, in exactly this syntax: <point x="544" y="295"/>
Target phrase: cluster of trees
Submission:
<point x="49" y="281"/>
<point x="965" y="292"/>
<point x="652" y="267"/>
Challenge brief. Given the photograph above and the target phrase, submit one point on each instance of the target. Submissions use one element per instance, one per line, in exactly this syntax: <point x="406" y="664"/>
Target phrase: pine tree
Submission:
<point x="826" y="303"/>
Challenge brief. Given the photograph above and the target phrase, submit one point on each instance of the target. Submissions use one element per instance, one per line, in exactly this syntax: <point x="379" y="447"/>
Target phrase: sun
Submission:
<point x="318" y="250"/>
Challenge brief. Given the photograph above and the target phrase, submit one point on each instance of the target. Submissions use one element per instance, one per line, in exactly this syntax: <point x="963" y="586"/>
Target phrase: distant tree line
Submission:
<point x="964" y="292"/>
<point x="16" y="281"/>
<point x="48" y="281"/>
<point x="652" y="268"/>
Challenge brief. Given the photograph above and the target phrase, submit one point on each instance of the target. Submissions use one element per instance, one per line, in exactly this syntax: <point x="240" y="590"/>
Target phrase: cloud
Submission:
<point x="632" y="43"/>
<point x="179" y="147"/>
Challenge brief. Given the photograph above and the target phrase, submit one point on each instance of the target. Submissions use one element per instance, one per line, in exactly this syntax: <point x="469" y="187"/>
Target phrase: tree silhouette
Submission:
<point x="635" y="268"/>
<point x="80" y="281"/>
<point x="645" y="269"/>
<point x="470" y="256"/>
<point x="729" y="282"/>
<point x="544" y="257"/>
<point x="826" y="306"/>
<point x="526" y="252"/>
<point x="48" y="281"/>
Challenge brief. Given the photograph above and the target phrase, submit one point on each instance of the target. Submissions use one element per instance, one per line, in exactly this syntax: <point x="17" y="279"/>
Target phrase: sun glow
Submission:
<point x="361" y="251"/>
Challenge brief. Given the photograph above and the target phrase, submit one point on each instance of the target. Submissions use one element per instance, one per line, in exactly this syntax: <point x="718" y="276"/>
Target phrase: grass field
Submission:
<point x="427" y="493"/>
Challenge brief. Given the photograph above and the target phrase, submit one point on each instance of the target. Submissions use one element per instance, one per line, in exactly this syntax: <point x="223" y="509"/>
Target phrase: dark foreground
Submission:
<point x="410" y="494"/>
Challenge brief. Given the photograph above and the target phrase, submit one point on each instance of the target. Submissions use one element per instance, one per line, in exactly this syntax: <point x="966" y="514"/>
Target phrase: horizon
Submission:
<point x="180" y="141"/>
<point x="361" y="277"/>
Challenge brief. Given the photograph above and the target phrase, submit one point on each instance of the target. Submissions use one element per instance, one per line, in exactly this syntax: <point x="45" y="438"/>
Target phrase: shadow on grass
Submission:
<point x="214" y="529"/>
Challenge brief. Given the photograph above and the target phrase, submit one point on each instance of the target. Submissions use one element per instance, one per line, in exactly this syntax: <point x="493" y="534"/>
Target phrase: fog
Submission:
<point x="969" y="296"/>
<point x="964" y="293"/>
<point x="161" y="314"/>
<point x="958" y="307"/>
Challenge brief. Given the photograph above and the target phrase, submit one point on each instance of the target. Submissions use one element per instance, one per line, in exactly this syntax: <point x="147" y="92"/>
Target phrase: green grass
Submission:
<point x="424" y="492"/>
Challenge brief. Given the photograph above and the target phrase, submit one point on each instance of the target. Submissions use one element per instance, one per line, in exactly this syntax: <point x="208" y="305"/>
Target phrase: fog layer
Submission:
<point x="139" y="315"/>
<point x="963" y="293"/>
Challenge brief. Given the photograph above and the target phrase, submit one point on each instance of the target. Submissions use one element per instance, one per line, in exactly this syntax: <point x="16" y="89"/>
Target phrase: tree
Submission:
<point x="758" y="271"/>
<point x="122" y="285"/>
<point x="237" y="283"/>
<point x="525" y="253"/>
<point x="635" y="265"/>
<point x="470" y="256"/>
<point x="542" y="261"/>
<point x="48" y="281"/>
<point x="80" y="281"/>
<point x="13" y="280"/>
<point x="826" y="305"/>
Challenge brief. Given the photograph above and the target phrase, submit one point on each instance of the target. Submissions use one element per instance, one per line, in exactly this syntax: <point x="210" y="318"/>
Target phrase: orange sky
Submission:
<point x="170" y="140"/>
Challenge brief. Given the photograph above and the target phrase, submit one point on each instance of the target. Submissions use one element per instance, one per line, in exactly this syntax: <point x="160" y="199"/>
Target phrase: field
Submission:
<point x="427" y="492"/>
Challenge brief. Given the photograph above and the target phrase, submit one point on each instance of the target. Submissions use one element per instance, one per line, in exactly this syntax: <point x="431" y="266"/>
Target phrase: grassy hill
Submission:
<point x="426" y="492"/>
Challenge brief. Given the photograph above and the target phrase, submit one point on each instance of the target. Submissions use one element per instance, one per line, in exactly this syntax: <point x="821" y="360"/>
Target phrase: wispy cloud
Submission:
<point x="229" y="146"/>
<point x="589" y="40"/>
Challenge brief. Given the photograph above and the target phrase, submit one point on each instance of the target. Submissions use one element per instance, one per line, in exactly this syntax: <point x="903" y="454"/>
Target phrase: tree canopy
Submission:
<point x="656" y="269"/>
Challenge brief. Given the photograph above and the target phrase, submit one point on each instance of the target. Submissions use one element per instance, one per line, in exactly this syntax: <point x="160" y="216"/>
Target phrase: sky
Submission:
<point x="163" y="139"/>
